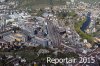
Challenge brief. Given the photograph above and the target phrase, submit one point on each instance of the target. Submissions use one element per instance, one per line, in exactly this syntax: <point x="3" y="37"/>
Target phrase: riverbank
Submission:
<point x="81" y="33"/>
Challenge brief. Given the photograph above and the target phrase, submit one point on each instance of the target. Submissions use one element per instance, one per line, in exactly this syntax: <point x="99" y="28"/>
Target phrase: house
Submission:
<point x="42" y="41"/>
<point x="43" y="51"/>
<point x="5" y="18"/>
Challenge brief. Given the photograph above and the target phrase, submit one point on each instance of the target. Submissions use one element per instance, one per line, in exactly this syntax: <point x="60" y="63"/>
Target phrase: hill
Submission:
<point x="39" y="3"/>
<point x="43" y="3"/>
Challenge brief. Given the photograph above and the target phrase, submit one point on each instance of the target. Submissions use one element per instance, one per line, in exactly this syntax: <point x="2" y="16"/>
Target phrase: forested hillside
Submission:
<point x="42" y="3"/>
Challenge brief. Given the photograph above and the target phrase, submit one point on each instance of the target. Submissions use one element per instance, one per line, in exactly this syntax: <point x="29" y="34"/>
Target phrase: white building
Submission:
<point x="2" y="1"/>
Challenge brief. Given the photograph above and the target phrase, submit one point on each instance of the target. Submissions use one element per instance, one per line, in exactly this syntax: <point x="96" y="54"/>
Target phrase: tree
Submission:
<point x="29" y="38"/>
<point x="16" y="28"/>
<point x="40" y="12"/>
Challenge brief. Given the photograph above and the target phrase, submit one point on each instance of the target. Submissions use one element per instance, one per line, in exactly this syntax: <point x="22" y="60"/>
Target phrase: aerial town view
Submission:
<point x="49" y="32"/>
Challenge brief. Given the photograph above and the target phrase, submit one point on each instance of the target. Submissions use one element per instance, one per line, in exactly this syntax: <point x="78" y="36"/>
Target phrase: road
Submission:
<point x="89" y="54"/>
<point x="74" y="50"/>
<point x="53" y="33"/>
<point x="93" y="53"/>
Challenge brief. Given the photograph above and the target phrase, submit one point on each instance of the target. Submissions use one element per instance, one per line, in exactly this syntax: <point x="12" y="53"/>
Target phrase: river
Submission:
<point x="86" y="23"/>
